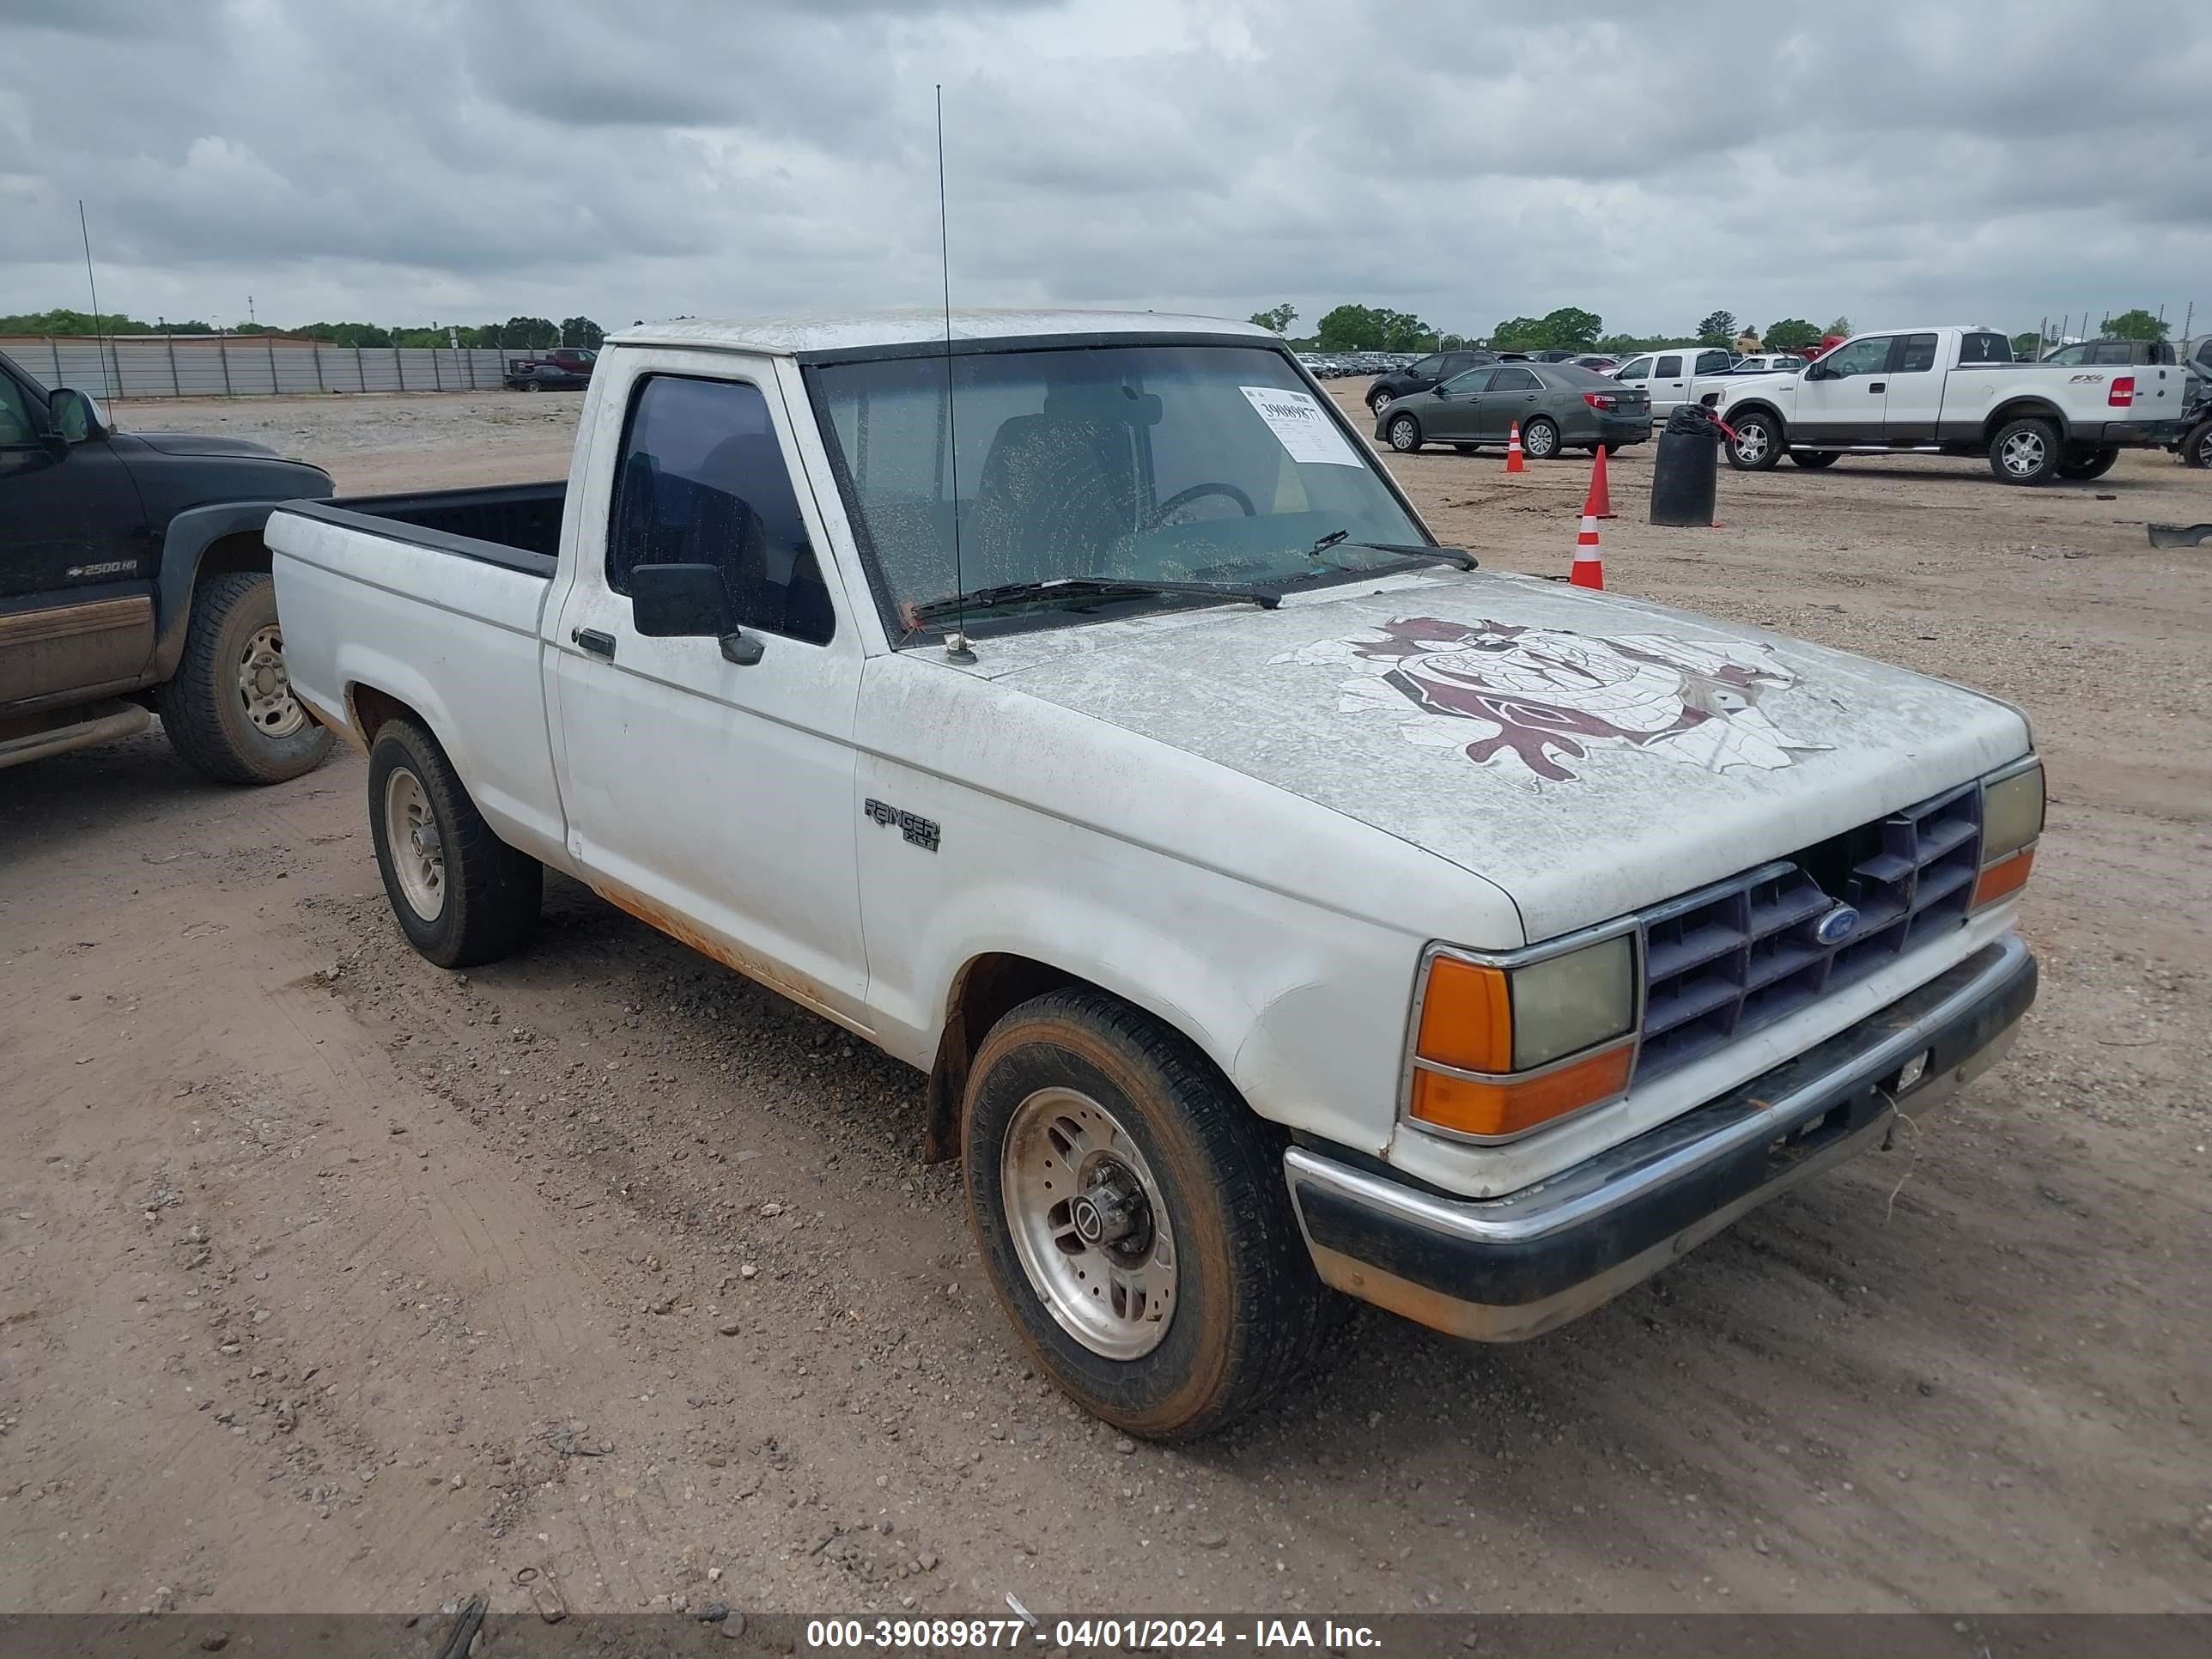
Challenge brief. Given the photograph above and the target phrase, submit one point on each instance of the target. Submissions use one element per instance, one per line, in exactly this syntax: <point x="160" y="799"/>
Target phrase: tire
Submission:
<point x="533" y="385"/>
<point x="1465" y="449"/>
<point x="2025" y="452"/>
<point x="228" y="710"/>
<point x="2095" y="465"/>
<point x="1376" y="401"/>
<point x="1077" y="1082"/>
<point x="1405" y="434"/>
<point x="2197" y="445"/>
<point x="470" y="897"/>
<point x="1539" y="439"/>
<point x="1814" y="459"/>
<point x="1757" y="445"/>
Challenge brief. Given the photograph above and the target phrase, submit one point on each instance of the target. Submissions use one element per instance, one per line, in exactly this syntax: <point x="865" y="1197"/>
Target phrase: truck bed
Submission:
<point x="516" y="525"/>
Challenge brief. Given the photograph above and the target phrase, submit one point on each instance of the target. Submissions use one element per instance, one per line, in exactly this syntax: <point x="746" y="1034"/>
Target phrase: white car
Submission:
<point x="1951" y="391"/>
<point x="1271" y="900"/>
<point x="1669" y="377"/>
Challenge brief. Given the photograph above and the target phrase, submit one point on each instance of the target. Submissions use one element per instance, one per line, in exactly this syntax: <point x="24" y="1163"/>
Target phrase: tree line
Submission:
<point x="1570" y="328"/>
<point x="516" y="333"/>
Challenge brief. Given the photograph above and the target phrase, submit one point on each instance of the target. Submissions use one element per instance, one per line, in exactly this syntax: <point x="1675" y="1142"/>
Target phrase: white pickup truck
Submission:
<point x="1950" y="391"/>
<point x="1070" y="705"/>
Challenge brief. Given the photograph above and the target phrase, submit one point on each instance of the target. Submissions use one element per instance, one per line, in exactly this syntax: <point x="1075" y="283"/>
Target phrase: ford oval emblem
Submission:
<point x="1838" y="925"/>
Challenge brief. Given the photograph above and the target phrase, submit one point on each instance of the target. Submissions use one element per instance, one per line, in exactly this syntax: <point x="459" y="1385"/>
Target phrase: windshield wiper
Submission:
<point x="987" y="598"/>
<point x="1457" y="555"/>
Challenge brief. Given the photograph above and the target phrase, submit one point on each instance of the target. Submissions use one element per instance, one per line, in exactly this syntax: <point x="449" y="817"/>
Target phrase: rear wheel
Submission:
<point x="1539" y="439"/>
<point x="2092" y="464"/>
<point x="1130" y="1213"/>
<point x="2197" y="448"/>
<point x="1815" y="459"/>
<point x="1464" y="449"/>
<point x="461" y="894"/>
<point x="2025" y="451"/>
<point x="1756" y="444"/>
<point x="229" y="711"/>
<point x="1405" y="434"/>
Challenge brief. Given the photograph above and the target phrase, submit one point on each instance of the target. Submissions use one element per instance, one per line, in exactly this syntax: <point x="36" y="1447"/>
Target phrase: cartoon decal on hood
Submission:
<point x="1536" y="694"/>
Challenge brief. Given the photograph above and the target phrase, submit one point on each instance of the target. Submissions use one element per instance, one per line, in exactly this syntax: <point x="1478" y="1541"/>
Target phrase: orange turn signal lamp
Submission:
<point x="1466" y="1028"/>
<point x="2002" y="877"/>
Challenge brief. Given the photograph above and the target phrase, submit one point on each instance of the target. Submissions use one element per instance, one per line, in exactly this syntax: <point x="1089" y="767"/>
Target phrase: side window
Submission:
<point x="1474" y="380"/>
<point x="1868" y="356"/>
<point x="702" y="481"/>
<point x="1667" y="369"/>
<point x="1918" y="356"/>
<point x="16" y="426"/>
<point x="1428" y="368"/>
<point x="2204" y="352"/>
<point x="1636" y="368"/>
<point x="1515" y="380"/>
<point x="2068" y="357"/>
<point x="1983" y="348"/>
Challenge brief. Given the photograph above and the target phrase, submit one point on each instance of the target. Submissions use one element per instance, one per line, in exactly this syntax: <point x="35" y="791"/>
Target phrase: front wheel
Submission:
<point x="1756" y="444"/>
<point x="228" y="710"/>
<point x="2094" y="464"/>
<point x="1405" y="434"/>
<point x="1131" y="1213"/>
<point x="2025" y="452"/>
<point x="1376" y="400"/>
<point x="461" y="894"/>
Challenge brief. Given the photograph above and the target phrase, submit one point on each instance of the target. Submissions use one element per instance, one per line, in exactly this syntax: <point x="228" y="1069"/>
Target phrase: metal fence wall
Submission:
<point x="196" y="366"/>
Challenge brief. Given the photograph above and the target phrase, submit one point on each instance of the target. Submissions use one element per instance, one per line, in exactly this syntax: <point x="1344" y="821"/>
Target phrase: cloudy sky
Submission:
<point x="467" y="160"/>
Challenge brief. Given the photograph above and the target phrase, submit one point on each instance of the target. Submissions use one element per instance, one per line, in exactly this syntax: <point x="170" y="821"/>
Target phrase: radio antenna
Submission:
<point x="956" y="642"/>
<point x="98" y="335"/>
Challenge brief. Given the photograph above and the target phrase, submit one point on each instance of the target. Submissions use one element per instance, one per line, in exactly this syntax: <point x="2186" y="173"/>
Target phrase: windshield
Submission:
<point x="1162" y="462"/>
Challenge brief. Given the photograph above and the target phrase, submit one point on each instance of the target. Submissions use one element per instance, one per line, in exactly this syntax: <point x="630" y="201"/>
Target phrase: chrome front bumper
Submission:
<point x="1504" y="1269"/>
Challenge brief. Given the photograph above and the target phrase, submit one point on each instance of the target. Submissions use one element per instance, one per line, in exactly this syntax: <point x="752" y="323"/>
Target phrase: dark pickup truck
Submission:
<point x="134" y="581"/>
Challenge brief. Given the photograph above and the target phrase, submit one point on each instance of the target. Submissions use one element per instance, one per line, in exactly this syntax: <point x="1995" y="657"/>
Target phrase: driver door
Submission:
<point x="1457" y="412"/>
<point x="1847" y="403"/>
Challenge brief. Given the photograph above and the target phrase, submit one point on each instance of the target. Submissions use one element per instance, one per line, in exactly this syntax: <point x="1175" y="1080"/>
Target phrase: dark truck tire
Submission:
<point x="2025" y="451"/>
<point x="461" y="894"/>
<point x="1815" y="459"/>
<point x="2095" y="464"/>
<point x="2197" y="446"/>
<point x="1076" y="1091"/>
<point x="228" y="710"/>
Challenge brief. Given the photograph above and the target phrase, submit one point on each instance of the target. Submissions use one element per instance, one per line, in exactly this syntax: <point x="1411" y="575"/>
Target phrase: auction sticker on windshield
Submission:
<point x="1297" y="421"/>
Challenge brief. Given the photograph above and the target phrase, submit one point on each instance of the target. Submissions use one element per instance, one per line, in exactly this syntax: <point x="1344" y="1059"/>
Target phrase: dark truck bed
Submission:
<point x="517" y="525"/>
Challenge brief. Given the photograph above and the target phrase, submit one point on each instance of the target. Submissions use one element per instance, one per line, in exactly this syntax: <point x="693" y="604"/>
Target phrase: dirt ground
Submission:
<point x="332" y="1281"/>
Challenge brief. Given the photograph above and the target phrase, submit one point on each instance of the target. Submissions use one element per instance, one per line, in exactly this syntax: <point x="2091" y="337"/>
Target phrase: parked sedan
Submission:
<point x="545" y="377"/>
<point x="1558" y="406"/>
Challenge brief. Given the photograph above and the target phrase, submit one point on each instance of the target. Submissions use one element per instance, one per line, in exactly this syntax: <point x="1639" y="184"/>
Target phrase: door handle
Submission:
<point x="595" y="642"/>
<point x="1879" y="386"/>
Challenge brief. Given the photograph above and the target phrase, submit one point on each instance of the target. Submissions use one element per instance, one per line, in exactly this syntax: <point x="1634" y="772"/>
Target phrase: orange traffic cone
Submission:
<point x="1600" y="503"/>
<point x="1589" y="570"/>
<point x="1513" y="461"/>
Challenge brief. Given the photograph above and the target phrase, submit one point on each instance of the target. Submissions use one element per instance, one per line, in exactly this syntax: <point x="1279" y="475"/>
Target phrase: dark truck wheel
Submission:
<point x="1132" y="1214"/>
<point x="1815" y="459"/>
<point x="228" y="710"/>
<point x="462" y="895"/>
<point x="2095" y="463"/>
<point x="2197" y="446"/>
<point x="1757" y="442"/>
<point x="2025" y="451"/>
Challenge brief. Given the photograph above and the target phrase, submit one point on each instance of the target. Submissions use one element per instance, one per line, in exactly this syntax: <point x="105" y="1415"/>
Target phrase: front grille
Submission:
<point x="1720" y="963"/>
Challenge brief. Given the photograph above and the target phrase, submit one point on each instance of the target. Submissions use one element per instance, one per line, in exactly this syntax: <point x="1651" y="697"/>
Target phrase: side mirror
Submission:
<point x="1441" y="389"/>
<point x="688" y="602"/>
<point x="69" y="416"/>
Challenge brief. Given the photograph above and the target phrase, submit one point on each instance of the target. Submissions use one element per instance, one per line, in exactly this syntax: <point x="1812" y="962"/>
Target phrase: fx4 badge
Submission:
<point x="919" y="831"/>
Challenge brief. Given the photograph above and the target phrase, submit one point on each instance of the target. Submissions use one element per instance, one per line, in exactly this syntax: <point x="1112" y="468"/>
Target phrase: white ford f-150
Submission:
<point x="1070" y="705"/>
<point x="1950" y="391"/>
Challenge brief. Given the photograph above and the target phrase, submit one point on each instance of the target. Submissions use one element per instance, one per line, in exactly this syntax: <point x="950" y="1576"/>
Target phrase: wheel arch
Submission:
<point x="201" y="541"/>
<point x="1734" y="413"/>
<point x="2025" y="408"/>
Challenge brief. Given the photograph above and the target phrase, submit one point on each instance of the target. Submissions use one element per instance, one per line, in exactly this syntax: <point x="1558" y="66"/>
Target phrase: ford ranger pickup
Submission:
<point x="1276" y="904"/>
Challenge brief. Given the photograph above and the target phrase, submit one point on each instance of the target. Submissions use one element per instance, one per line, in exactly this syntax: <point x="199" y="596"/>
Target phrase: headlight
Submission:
<point x="1498" y="1051"/>
<point x="2011" y="819"/>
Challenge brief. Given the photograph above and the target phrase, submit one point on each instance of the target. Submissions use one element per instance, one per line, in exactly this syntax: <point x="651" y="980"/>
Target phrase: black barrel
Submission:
<point x="1686" y="470"/>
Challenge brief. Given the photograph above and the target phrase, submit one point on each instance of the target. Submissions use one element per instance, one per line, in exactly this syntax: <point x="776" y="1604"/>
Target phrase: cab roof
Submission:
<point x="862" y="331"/>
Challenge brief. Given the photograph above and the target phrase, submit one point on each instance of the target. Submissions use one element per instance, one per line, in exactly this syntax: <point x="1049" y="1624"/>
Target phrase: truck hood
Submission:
<point x="195" y="443"/>
<point x="1586" y="753"/>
